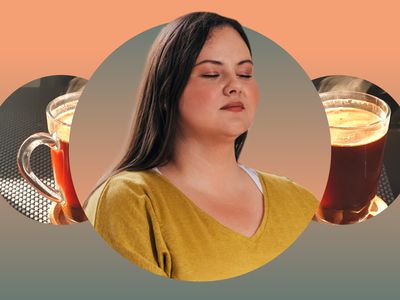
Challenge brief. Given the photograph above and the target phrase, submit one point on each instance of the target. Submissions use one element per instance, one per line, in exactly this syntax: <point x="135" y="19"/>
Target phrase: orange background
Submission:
<point x="355" y="38"/>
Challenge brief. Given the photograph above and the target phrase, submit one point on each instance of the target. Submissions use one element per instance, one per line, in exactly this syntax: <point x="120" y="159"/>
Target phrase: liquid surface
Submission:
<point x="350" y="117"/>
<point x="354" y="126"/>
<point x="63" y="130"/>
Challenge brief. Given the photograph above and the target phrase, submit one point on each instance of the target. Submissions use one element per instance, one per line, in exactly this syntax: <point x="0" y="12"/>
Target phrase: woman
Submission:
<point x="179" y="204"/>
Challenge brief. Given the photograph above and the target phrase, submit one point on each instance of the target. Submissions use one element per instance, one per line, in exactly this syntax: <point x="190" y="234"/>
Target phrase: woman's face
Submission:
<point x="220" y="98"/>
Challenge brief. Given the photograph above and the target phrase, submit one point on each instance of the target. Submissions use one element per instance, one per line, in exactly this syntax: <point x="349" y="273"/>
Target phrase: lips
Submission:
<point x="233" y="106"/>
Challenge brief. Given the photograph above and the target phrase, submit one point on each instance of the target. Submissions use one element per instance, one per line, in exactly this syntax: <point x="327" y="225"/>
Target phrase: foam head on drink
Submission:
<point x="357" y="139"/>
<point x="352" y="126"/>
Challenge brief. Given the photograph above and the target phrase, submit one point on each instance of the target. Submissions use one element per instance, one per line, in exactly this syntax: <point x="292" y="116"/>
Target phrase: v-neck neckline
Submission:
<point x="260" y="229"/>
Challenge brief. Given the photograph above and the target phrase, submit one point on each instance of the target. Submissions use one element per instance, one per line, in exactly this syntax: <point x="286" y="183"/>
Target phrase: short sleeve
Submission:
<point x="126" y="220"/>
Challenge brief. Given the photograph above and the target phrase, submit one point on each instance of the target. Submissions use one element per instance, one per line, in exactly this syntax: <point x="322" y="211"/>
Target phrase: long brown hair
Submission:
<point x="169" y="64"/>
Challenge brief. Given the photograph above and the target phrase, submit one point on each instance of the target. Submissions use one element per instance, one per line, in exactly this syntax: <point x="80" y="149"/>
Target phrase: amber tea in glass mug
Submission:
<point x="358" y="124"/>
<point x="59" y="113"/>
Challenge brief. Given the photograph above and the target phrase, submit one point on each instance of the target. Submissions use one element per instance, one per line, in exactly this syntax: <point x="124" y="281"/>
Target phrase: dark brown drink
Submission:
<point x="358" y="131"/>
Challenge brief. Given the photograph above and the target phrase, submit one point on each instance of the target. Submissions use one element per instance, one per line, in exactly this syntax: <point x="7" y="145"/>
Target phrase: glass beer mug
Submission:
<point x="59" y="113"/>
<point x="358" y="124"/>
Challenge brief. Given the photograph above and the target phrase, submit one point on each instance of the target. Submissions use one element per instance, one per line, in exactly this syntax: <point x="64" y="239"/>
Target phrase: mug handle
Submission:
<point x="24" y="163"/>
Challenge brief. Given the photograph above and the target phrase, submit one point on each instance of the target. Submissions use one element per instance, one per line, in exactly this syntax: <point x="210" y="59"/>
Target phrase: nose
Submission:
<point x="232" y="87"/>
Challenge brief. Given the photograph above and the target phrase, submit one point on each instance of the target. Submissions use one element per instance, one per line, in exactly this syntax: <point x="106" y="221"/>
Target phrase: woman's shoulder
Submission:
<point x="119" y="191"/>
<point x="272" y="177"/>
<point x="136" y="178"/>
<point x="122" y="213"/>
<point x="282" y="188"/>
<point x="135" y="182"/>
<point x="280" y="181"/>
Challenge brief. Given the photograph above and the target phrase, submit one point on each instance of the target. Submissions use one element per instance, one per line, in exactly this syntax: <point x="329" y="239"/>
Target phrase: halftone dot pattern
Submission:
<point x="21" y="195"/>
<point x="21" y="115"/>
<point x="19" y="118"/>
<point x="384" y="188"/>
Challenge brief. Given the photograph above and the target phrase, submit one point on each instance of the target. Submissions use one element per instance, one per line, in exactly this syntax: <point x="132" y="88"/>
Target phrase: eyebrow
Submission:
<point x="217" y="62"/>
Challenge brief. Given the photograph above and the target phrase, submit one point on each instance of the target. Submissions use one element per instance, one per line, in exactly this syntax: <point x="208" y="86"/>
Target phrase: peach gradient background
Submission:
<point x="42" y="38"/>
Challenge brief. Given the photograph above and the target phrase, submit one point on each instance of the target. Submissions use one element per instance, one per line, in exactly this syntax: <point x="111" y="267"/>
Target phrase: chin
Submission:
<point x="235" y="133"/>
<point x="237" y="128"/>
<point x="230" y="130"/>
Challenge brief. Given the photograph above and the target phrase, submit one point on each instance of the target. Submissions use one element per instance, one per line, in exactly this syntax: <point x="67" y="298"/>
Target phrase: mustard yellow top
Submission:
<point x="152" y="223"/>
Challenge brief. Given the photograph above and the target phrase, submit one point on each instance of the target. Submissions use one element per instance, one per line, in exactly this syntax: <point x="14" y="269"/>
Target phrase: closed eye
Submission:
<point x="245" y="75"/>
<point x="210" y="75"/>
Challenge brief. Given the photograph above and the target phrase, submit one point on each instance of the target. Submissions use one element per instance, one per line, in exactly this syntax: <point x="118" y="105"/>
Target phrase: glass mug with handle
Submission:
<point x="358" y="123"/>
<point x="59" y="113"/>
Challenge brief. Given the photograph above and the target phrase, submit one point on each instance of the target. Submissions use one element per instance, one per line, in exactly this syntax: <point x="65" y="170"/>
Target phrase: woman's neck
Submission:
<point x="202" y="161"/>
